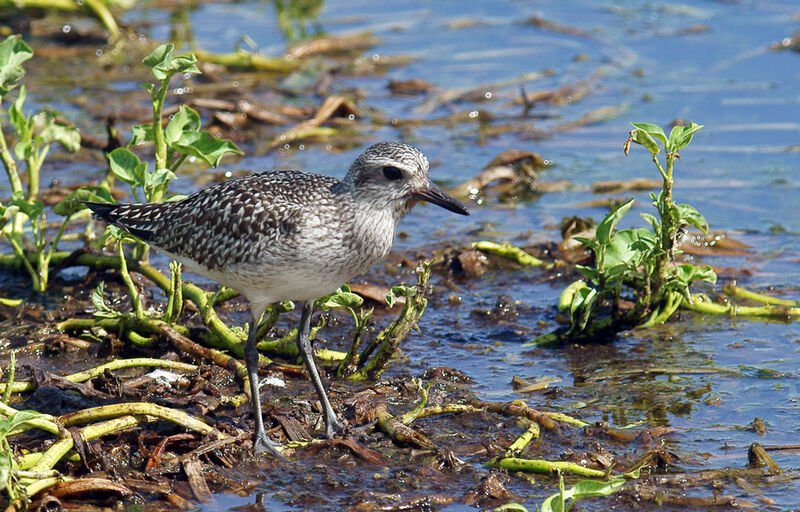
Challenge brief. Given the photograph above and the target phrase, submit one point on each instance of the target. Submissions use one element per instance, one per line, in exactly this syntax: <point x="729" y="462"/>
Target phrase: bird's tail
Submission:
<point x="140" y="220"/>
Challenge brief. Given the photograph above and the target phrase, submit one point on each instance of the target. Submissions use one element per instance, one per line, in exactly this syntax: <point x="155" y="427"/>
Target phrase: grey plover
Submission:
<point x="288" y="235"/>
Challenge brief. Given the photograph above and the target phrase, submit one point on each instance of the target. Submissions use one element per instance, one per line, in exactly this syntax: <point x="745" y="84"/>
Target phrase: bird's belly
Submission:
<point x="288" y="283"/>
<point x="270" y="283"/>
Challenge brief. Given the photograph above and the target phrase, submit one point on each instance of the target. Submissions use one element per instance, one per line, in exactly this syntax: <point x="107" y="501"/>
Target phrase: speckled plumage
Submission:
<point x="288" y="235"/>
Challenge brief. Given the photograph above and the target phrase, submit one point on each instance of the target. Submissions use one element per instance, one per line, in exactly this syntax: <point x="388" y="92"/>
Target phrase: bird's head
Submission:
<point x="397" y="174"/>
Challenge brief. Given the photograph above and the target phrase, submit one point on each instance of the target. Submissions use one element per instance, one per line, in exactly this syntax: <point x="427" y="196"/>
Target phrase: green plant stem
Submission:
<point x="44" y="261"/>
<point x="564" y="418"/>
<point x="175" y="294"/>
<point x="40" y="484"/>
<point x="102" y="13"/>
<point x="34" y="163"/>
<point x="671" y="303"/>
<point x="248" y="61"/>
<point x="349" y="363"/>
<point x="411" y="415"/>
<point x="117" y="364"/>
<point x="545" y="467"/>
<point x="506" y="250"/>
<point x="84" y="259"/>
<point x="158" y="128"/>
<point x="9" y="162"/>
<point x="660" y="169"/>
<point x="19" y="255"/>
<point x="136" y="299"/>
<point x="531" y="433"/>
<point x="45" y="422"/>
<point x="737" y="291"/>
<point x="176" y="164"/>
<point x="28" y="460"/>
<point x="701" y="304"/>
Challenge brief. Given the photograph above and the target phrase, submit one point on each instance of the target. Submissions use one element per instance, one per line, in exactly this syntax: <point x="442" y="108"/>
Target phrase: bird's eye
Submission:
<point x="392" y="173"/>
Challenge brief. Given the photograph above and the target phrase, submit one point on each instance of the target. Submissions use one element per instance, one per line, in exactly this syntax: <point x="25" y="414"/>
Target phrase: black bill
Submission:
<point x="433" y="194"/>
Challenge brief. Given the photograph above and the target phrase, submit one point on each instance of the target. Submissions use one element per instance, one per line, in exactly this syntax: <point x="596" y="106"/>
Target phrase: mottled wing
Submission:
<point x="239" y="221"/>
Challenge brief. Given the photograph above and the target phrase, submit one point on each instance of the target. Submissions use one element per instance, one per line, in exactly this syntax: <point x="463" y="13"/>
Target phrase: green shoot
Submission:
<point x="565" y="499"/>
<point x="639" y="261"/>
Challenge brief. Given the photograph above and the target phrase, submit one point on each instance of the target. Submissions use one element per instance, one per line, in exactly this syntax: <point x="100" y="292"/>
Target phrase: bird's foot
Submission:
<point x="333" y="426"/>
<point x="263" y="446"/>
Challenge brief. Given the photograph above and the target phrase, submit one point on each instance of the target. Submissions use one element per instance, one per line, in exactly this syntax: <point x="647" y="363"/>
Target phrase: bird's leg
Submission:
<point x="332" y="423"/>
<point x="262" y="444"/>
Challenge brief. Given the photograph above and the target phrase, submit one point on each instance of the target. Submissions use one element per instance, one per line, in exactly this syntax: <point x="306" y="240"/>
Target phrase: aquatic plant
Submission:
<point x="23" y="212"/>
<point x="639" y="262"/>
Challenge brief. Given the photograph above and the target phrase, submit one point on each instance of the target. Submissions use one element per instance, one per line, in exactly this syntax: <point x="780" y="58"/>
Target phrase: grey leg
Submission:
<point x="332" y="423"/>
<point x="262" y="444"/>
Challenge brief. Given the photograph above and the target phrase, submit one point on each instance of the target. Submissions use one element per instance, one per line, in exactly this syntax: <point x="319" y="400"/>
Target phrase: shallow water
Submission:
<point x="739" y="172"/>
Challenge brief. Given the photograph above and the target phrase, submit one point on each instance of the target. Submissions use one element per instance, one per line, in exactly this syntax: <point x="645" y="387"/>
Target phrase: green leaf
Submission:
<point x="593" y="488"/>
<point x="141" y="133"/>
<point x="21" y="419"/>
<point x="158" y="177"/>
<point x="589" y="273"/>
<point x="604" y="229"/>
<point x="588" y="242"/>
<point x="510" y="507"/>
<point x="391" y="298"/>
<point x="580" y="311"/>
<point x="342" y="297"/>
<point x="99" y="303"/>
<point x="8" y="212"/>
<point x="32" y="209"/>
<point x="645" y="139"/>
<point x="655" y="224"/>
<point x="554" y="503"/>
<point x="629" y="247"/>
<point x="22" y="125"/>
<point x="23" y="148"/>
<point x="185" y="120"/>
<point x="151" y="88"/>
<point x="206" y="147"/>
<point x="652" y="130"/>
<point x="681" y="136"/>
<point x="13" y="52"/>
<point x="126" y="166"/>
<point x="177" y="197"/>
<point x="52" y="131"/>
<point x="164" y="63"/>
<point x="400" y="290"/>
<point x="582" y="489"/>
<point x="689" y="215"/>
<point x="687" y="273"/>
<point x="74" y="202"/>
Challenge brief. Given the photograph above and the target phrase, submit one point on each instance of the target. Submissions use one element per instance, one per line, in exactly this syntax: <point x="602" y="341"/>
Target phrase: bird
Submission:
<point x="288" y="235"/>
